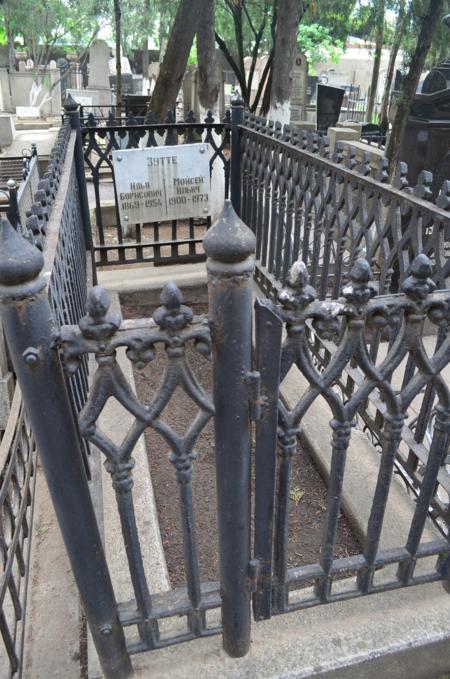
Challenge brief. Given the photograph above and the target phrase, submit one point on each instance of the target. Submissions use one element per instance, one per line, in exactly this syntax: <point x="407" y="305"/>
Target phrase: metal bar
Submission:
<point x="230" y="245"/>
<point x="26" y="321"/>
<point x="436" y="457"/>
<point x="268" y="345"/>
<point x="71" y="108"/>
<point x="237" y="117"/>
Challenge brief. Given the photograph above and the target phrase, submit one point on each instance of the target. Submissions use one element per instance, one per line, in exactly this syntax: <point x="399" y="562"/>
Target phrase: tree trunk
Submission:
<point x="208" y="72"/>
<point x="399" y="28"/>
<point x="117" y="24"/>
<point x="145" y="59"/>
<point x="377" y="60"/>
<point x="428" y="26"/>
<point x="289" y="13"/>
<point x="209" y="81"/>
<point x="10" y="40"/>
<point x="175" y="59"/>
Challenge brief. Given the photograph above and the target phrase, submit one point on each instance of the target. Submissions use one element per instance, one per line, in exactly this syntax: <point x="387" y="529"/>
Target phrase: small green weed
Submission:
<point x="296" y="494"/>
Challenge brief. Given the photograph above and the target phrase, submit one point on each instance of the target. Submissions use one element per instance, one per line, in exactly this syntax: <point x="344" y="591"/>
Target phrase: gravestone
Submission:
<point x="311" y="88"/>
<point x="52" y="64"/>
<point x="426" y="141"/>
<point x="299" y="89"/>
<point x="329" y="102"/>
<point x="22" y="67"/>
<point x="162" y="183"/>
<point x="126" y="80"/>
<point x="98" y="66"/>
<point x="29" y="65"/>
<point x="4" y="56"/>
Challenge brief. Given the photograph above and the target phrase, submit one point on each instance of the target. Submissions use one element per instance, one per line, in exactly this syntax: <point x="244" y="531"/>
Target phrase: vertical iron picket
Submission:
<point x="268" y="328"/>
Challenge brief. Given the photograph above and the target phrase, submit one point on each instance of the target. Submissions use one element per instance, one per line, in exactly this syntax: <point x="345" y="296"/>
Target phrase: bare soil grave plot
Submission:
<point x="308" y="490"/>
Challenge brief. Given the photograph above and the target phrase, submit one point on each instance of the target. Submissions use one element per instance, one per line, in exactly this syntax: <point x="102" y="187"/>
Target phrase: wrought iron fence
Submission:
<point x="328" y="213"/>
<point x="56" y="228"/>
<point x="17" y="483"/>
<point x="158" y="242"/>
<point x="19" y="178"/>
<point x="340" y="252"/>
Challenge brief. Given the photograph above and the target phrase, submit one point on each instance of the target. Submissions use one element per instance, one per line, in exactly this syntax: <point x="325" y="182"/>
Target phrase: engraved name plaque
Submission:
<point x="162" y="183"/>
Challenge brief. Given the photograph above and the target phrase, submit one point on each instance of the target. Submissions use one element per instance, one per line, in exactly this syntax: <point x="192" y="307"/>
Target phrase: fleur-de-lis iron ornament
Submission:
<point x="174" y="327"/>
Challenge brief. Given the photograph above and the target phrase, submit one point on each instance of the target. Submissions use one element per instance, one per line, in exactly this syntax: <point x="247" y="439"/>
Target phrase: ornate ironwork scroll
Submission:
<point x="101" y="333"/>
<point x="343" y="327"/>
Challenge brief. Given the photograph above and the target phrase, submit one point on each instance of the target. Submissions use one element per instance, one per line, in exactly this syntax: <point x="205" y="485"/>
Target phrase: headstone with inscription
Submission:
<point x="98" y="65"/>
<point x="299" y="89"/>
<point x="329" y="102"/>
<point x="159" y="184"/>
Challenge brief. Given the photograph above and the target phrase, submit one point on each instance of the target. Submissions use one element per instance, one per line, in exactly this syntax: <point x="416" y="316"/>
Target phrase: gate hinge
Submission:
<point x="253" y="384"/>
<point x="253" y="574"/>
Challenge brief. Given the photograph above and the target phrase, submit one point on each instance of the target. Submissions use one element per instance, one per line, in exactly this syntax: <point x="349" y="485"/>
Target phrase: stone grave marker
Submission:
<point x="299" y="89"/>
<point x="162" y="183"/>
<point x="329" y="102"/>
<point x="99" y="66"/>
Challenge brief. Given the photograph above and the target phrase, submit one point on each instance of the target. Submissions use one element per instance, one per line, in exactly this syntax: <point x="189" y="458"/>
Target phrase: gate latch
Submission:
<point x="253" y="384"/>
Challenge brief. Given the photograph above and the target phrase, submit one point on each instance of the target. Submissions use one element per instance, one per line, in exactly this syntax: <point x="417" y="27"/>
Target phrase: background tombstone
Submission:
<point x="52" y="64"/>
<point x="329" y="102"/>
<point x="98" y="66"/>
<point x="426" y="142"/>
<point x="299" y="77"/>
<point x="4" y="56"/>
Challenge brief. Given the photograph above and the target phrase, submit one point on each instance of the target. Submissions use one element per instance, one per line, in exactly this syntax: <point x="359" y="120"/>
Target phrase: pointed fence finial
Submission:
<point x="419" y="283"/>
<point x="298" y="292"/>
<point x="70" y="104"/>
<point x="229" y="240"/>
<point x="360" y="289"/>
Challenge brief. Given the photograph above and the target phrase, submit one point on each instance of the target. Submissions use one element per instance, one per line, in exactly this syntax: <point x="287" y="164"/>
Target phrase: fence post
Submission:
<point x="13" y="211"/>
<point x="237" y="118"/>
<point x="71" y="109"/>
<point x="230" y="247"/>
<point x="28" y="326"/>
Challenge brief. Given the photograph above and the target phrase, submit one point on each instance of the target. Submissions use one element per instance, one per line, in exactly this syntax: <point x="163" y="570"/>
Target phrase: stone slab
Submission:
<point x="6" y="395"/>
<point x="7" y="129"/>
<point x="143" y="284"/>
<point x="336" y="134"/>
<point x="116" y="421"/>
<point x="52" y="641"/>
<point x="398" y="635"/>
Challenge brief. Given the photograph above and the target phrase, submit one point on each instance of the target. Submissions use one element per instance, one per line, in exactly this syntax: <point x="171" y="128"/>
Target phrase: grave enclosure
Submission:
<point x="358" y="277"/>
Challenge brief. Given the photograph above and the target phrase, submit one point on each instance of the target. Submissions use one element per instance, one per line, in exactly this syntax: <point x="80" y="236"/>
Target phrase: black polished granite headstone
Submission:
<point x="126" y="80"/>
<point x="329" y="102"/>
<point x="426" y="142"/>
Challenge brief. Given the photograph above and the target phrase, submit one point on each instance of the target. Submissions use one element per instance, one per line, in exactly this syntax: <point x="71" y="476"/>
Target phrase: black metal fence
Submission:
<point x="349" y="263"/>
<point x="328" y="213"/>
<point x="19" y="179"/>
<point x="17" y="484"/>
<point x="158" y="242"/>
<point x="55" y="227"/>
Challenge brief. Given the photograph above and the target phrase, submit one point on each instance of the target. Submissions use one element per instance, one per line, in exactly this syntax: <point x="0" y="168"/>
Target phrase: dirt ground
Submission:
<point x="308" y="490"/>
